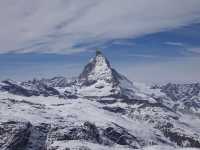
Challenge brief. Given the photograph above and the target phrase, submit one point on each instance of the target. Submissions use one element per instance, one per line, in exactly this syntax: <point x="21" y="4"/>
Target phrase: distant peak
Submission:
<point x="97" y="69"/>
<point x="100" y="59"/>
<point x="98" y="52"/>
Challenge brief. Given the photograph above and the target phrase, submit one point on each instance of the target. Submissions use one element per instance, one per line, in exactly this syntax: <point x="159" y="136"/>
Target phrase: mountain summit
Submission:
<point x="99" y="74"/>
<point x="98" y="69"/>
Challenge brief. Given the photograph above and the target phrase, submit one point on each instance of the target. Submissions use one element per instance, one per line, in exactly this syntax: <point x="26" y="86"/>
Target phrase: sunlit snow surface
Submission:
<point x="53" y="110"/>
<point x="101" y="69"/>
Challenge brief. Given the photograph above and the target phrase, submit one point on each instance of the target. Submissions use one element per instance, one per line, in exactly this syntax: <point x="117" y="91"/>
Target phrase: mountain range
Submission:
<point x="99" y="110"/>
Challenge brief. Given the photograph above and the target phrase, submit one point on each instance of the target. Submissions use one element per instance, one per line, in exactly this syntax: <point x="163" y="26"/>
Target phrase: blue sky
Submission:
<point x="148" y="42"/>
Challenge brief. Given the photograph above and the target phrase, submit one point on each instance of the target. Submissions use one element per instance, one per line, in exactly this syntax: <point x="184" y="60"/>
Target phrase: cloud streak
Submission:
<point x="174" y="43"/>
<point x="61" y="26"/>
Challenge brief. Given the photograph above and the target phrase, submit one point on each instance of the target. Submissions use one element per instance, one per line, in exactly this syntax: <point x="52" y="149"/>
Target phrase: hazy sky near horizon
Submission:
<point x="148" y="41"/>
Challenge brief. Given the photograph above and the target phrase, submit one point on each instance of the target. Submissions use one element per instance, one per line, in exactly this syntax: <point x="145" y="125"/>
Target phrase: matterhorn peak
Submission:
<point x="99" y="75"/>
<point x="98" y="52"/>
<point x="101" y="60"/>
<point x="97" y="69"/>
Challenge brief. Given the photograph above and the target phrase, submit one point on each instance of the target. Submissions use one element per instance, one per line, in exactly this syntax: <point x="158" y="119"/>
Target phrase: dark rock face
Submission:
<point x="14" y="135"/>
<point x="187" y="94"/>
<point x="90" y="132"/>
<point x="120" y="137"/>
<point x="37" y="137"/>
<point x="180" y="139"/>
<point x="17" y="89"/>
<point x="58" y="82"/>
<point x="30" y="88"/>
<point x="87" y="132"/>
<point x="115" y="109"/>
<point x="179" y="91"/>
<point x="40" y="87"/>
<point x="168" y="123"/>
<point x="22" y="136"/>
<point x="70" y="95"/>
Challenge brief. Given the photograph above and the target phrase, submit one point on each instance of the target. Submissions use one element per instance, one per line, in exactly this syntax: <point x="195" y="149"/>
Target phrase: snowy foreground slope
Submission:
<point x="99" y="110"/>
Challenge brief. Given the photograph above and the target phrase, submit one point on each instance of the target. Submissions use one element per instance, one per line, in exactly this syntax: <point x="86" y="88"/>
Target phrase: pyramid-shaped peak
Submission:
<point x="97" y="69"/>
<point x="98" y="52"/>
<point x="100" y="79"/>
<point x="100" y="60"/>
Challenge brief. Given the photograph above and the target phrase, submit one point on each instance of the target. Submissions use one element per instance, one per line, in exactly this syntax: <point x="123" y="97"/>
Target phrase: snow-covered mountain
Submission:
<point x="99" y="110"/>
<point x="99" y="79"/>
<point x="183" y="97"/>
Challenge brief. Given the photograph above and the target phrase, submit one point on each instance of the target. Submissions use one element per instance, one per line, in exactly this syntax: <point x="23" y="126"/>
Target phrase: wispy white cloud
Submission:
<point x="174" y="43"/>
<point x="123" y="43"/>
<point x="142" y="55"/>
<point x="59" y="26"/>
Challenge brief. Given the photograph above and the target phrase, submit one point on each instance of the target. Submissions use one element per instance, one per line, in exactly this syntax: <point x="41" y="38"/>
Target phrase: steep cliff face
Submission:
<point x="14" y="135"/>
<point x="182" y="97"/>
<point x="97" y="69"/>
<point x="100" y="79"/>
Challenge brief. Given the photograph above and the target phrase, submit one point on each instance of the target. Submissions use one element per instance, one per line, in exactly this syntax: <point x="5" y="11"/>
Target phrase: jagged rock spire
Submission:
<point x="102" y="78"/>
<point x="97" y="69"/>
<point x="98" y="52"/>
